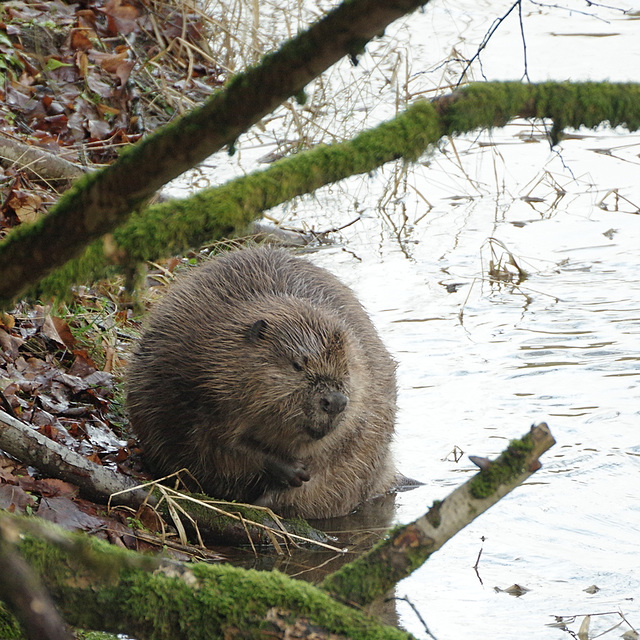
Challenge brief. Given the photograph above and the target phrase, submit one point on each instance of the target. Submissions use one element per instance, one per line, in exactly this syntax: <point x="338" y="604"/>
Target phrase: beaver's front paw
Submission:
<point x="299" y="474"/>
<point x="292" y="473"/>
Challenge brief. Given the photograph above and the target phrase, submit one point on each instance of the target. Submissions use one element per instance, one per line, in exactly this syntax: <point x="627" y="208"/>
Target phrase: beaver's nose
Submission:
<point x="334" y="402"/>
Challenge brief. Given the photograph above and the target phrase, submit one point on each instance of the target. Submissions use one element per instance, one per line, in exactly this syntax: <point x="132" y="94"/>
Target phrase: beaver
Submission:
<point x="263" y="375"/>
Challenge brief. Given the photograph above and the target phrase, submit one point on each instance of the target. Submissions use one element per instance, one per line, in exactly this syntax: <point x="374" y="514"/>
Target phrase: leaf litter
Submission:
<point x="81" y="80"/>
<point x="78" y="82"/>
<point x="49" y="380"/>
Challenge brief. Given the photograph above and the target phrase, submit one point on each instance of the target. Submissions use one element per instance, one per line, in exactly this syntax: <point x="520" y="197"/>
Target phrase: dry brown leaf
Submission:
<point x="122" y="17"/>
<point x="67" y="514"/>
<point x="26" y="207"/>
<point x="109" y="61"/>
<point x="7" y="321"/>
<point x="81" y="39"/>
<point x="63" y="331"/>
<point x="50" y="330"/>
<point x="51" y="487"/>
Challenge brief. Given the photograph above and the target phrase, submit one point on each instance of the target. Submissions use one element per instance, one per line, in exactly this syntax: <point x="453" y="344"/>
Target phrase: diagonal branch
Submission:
<point x="408" y="547"/>
<point x="99" y="202"/>
<point x="94" y="481"/>
<point x="211" y="214"/>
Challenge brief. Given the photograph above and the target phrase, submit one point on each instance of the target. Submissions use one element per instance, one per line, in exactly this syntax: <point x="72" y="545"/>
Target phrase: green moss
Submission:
<point x="483" y="105"/>
<point x="433" y="515"/>
<point x="501" y="471"/>
<point x="195" y="601"/>
<point x="374" y="573"/>
<point x="9" y="627"/>
<point x="94" y="635"/>
<point x="589" y="104"/>
<point x="361" y="580"/>
<point x="491" y="104"/>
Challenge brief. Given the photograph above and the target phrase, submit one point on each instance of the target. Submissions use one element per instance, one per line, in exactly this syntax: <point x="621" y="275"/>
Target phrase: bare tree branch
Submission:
<point x="94" y="481"/>
<point x="22" y="591"/>
<point x="38" y="162"/>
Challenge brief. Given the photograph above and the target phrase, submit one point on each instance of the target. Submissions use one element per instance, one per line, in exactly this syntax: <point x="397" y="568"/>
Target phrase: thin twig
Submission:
<point x="485" y="41"/>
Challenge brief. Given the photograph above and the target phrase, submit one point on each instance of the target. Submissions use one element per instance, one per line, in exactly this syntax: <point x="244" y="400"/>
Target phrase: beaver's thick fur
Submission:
<point x="263" y="375"/>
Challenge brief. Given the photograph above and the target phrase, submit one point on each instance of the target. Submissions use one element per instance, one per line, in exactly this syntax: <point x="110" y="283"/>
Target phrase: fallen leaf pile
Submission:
<point x="57" y="501"/>
<point x="82" y="80"/>
<point x="78" y="81"/>
<point x="50" y="381"/>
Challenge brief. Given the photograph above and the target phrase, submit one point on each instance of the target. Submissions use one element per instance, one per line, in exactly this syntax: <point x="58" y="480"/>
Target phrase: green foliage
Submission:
<point x="10" y="62"/>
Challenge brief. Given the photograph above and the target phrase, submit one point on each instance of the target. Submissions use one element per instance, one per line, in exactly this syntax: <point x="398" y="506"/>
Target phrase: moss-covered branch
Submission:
<point x="99" y="202"/>
<point x="408" y="547"/>
<point x="568" y="104"/>
<point x="218" y="212"/>
<point x="99" y="586"/>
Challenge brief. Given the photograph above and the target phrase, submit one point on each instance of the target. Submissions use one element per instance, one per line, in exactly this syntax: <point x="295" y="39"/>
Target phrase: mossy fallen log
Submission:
<point x="103" y="587"/>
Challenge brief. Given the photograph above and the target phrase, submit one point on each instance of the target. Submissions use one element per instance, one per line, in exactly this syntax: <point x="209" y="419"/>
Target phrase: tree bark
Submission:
<point x="100" y="201"/>
<point x="94" y="481"/>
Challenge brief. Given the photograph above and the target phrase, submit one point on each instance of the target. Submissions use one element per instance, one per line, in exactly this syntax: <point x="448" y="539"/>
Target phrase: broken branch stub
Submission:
<point x="409" y="546"/>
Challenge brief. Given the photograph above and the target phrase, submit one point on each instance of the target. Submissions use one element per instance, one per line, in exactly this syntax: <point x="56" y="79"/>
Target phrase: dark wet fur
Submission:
<point x="263" y="375"/>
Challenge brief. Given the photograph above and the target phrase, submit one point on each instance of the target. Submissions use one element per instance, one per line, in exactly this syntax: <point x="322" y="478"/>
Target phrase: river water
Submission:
<point x="480" y="359"/>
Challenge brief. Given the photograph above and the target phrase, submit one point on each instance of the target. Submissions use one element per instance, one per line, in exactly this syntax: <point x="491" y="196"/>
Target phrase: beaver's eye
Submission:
<point x="300" y="363"/>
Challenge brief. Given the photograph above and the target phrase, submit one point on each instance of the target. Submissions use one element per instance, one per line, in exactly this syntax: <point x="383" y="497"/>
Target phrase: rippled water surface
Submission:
<point x="481" y="359"/>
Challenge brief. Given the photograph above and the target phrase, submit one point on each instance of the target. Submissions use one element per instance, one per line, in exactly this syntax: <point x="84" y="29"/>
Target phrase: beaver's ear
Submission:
<point x="257" y="330"/>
